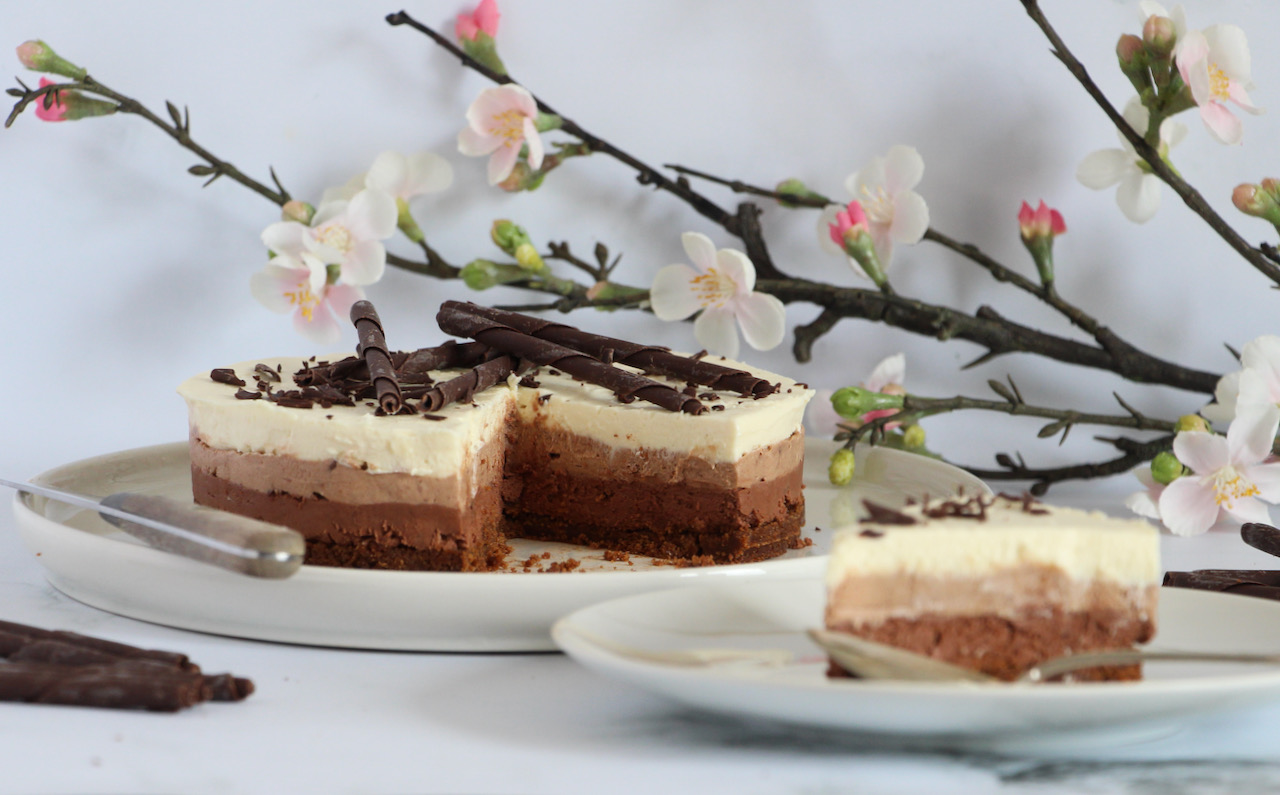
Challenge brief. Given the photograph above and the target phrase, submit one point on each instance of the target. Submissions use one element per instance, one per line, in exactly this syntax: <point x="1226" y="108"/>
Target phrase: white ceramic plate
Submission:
<point x="91" y="561"/>
<point x="740" y="648"/>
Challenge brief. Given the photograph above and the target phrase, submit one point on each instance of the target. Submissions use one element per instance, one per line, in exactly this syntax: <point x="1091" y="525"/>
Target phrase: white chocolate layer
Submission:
<point x="1085" y="546"/>
<point x="408" y="443"/>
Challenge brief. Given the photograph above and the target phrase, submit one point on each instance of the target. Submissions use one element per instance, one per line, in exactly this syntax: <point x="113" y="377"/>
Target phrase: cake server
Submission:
<point x="871" y="660"/>
<point x="238" y="543"/>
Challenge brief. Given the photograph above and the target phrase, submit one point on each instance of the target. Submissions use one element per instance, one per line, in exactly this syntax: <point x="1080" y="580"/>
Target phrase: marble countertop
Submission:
<point x="334" y="720"/>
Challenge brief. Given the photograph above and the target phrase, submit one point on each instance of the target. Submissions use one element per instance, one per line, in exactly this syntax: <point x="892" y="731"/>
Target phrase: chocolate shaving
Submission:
<point x="458" y="319"/>
<point x="1261" y="536"/>
<point x="225" y="375"/>
<point x="450" y="355"/>
<point x="265" y="372"/>
<point x="245" y="394"/>
<point x="870" y="534"/>
<point x="462" y="388"/>
<point x="882" y="514"/>
<point x="373" y="349"/>
<point x="649" y="358"/>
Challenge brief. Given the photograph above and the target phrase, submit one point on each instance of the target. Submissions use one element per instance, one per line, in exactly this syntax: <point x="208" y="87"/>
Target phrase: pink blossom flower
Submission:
<point x="1041" y="222"/>
<point x="1227" y="475"/>
<point x="1255" y="387"/>
<point x="851" y="219"/>
<point x="57" y="110"/>
<point x="1214" y="63"/>
<point x="484" y="19"/>
<point x="318" y="308"/>
<point x="500" y="122"/>
<point x="721" y="284"/>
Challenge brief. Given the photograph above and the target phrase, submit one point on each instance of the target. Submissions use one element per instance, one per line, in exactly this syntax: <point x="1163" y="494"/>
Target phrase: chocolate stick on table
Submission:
<point x="373" y="349"/>
<point x="454" y="319"/>
<point x="477" y="379"/>
<point x="1248" y="582"/>
<point x="104" y="664"/>
<point x="645" y="357"/>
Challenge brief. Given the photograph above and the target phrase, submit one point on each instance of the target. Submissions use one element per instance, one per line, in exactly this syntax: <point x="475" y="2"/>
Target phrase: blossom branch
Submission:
<point x="179" y="130"/>
<point x="1190" y="196"/>
<point x="738" y="224"/>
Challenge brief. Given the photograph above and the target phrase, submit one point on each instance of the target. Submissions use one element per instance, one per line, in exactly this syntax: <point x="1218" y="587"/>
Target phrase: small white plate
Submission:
<point x="741" y="648"/>
<point x="91" y="561"/>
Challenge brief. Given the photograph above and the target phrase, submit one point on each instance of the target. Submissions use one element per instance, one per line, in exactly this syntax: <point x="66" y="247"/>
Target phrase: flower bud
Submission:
<point x="70" y="105"/>
<point x="789" y="188"/>
<point x="1038" y="228"/>
<point x="1166" y="468"/>
<point x="1134" y="62"/>
<point x="1192" y="423"/>
<point x="507" y="235"/>
<point x="529" y="258"/>
<point x="480" y="274"/>
<point x="913" y="436"/>
<point x="840" y="470"/>
<point x="40" y="57"/>
<point x="1260" y="201"/>
<point x="295" y="210"/>
<point x="1160" y="36"/>
<point x="852" y="233"/>
<point x="851" y="402"/>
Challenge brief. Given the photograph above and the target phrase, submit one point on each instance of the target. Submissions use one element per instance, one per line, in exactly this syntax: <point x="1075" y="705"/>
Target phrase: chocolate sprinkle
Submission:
<point x="882" y="514"/>
<point x="225" y="375"/>
<point x="461" y="320"/>
<point x="871" y="534"/>
<point x="373" y="349"/>
<point x="649" y="358"/>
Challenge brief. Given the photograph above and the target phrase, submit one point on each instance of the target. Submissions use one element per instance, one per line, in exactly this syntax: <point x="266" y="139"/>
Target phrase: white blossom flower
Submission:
<point x="1227" y="475"/>
<point x="1138" y="194"/>
<point x="348" y="234"/>
<point x="406" y="177"/>
<point x="895" y="212"/>
<point x="1254" y="387"/>
<point x="319" y="309"/>
<point x="721" y="284"/>
<point x="1215" y="65"/>
<point x="500" y="121"/>
<point x="1146" y="503"/>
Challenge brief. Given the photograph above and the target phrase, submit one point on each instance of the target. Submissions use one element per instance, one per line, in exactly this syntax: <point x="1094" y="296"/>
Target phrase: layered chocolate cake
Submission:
<point x="996" y="584"/>
<point x="430" y="459"/>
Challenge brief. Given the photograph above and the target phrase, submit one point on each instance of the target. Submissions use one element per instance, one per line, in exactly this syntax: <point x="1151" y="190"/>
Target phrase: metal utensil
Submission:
<point x="238" y="543"/>
<point x="870" y="660"/>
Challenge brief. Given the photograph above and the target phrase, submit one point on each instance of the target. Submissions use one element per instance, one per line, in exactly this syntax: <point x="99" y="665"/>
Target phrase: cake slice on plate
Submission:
<point x="996" y="584"/>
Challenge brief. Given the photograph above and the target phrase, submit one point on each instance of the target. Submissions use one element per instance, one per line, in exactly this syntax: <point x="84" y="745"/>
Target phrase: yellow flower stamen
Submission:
<point x="509" y="126"/>
<point x="335" y="236"/>
<point x="713" y="288"/>
<point x="1229" y="486"/>
<point x="1219" y="83"/>
<point x="878" y="205"/>
<point x="304" y="299"/>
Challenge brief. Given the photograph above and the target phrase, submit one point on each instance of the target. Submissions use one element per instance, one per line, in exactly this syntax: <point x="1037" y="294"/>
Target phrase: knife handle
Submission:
<point x="238" y="543"/>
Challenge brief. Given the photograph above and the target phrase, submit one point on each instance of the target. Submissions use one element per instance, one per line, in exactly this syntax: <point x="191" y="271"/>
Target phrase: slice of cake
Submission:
<point x="996" y="584"/>
<point x="708" y="473"/>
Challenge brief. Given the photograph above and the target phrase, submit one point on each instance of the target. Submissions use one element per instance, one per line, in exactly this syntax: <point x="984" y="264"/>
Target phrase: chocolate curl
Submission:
<point x="1261" y="536"/>
<point x="462" y="388"/>
<point x="450" y="355"/>
<point x="454" y="319"/>
<point x="1221" y="580"/>
<point x="644" y="357"/>
<point x="373" y="349"/>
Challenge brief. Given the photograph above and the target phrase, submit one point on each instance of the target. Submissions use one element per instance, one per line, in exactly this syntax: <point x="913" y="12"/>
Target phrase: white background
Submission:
<point x="122" y="276"/>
